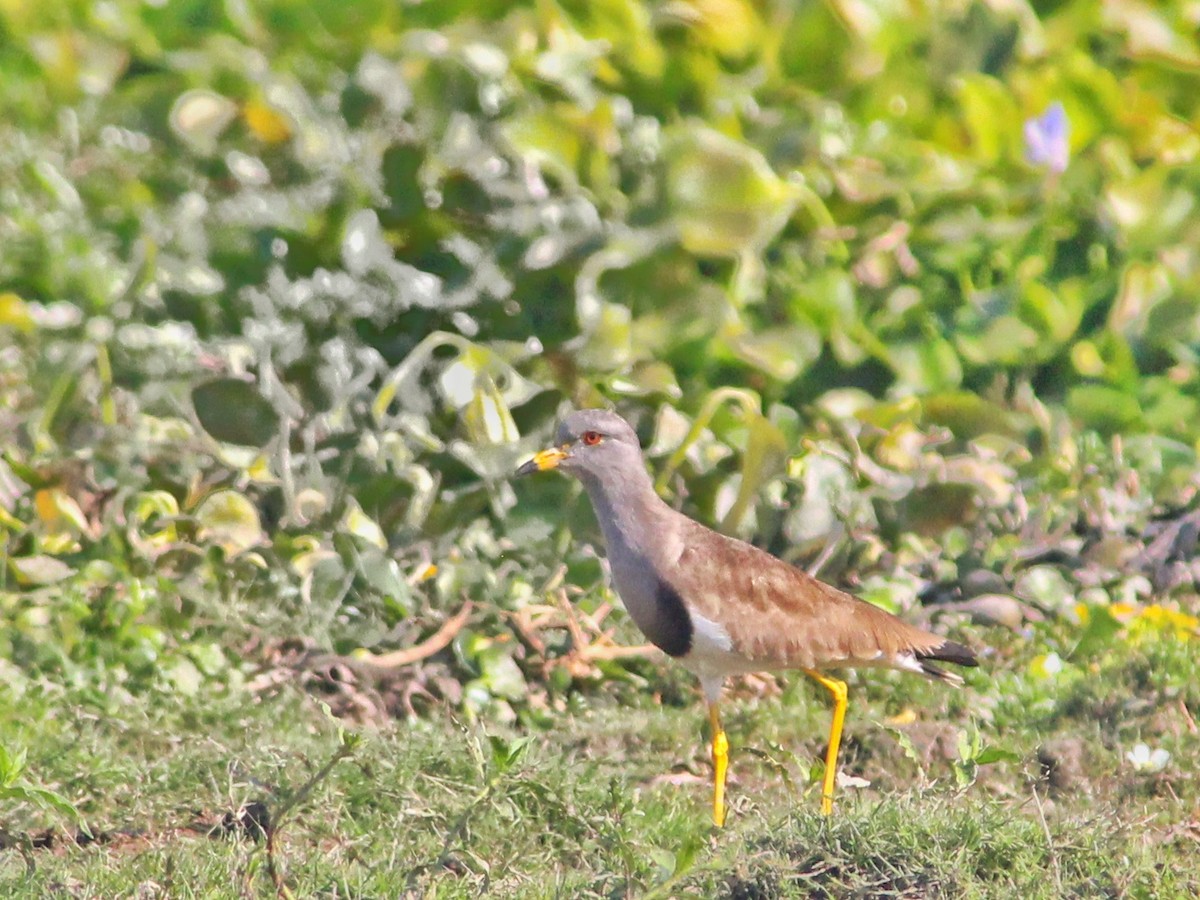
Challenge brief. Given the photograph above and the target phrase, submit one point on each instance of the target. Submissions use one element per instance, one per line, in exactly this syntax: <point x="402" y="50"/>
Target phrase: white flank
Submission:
<point x="908" y="662"/>
<point x="709" y="638"/>
<point x="712" y="658"/>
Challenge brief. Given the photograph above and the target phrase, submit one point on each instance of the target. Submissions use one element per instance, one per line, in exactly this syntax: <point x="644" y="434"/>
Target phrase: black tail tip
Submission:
<point x="951" y="652"/>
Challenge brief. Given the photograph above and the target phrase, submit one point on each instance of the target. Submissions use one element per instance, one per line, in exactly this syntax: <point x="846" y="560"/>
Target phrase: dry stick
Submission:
<point x="603" y="648"/>
<point x="578" y="639"/>
<point x="617" y="651"/>
<point x="594" y="650"/>
<point x="281" y="889"/>
<point x="298" y="797"/>
<point x="594" y="620"/>
<point x="555" y="580"/>
<point x="523" y="622"/>
<point x="1049" y="842"/>
<point x="831" y="545"/>
<point x="1187" y="716"/>
<point x="434" y="643"/>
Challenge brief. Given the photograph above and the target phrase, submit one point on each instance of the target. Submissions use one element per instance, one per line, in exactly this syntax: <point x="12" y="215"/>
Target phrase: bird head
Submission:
<point x="588" y="444"/>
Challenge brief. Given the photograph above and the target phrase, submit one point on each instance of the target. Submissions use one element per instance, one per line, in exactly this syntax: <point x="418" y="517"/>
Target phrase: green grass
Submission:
<point x="612" y="798"/>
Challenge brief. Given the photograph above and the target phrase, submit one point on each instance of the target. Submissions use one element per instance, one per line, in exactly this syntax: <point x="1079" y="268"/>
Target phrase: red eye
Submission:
<point x="591" y="438"/>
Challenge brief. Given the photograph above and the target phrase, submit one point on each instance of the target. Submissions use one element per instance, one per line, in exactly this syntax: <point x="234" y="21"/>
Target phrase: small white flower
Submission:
<point x="1143" y="759"/>
<point x="1052" y="664"/>
<point x="851" y="781"/>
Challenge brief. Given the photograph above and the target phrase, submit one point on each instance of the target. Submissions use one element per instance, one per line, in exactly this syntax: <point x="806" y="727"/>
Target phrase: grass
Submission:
<point x="612" y="799"/>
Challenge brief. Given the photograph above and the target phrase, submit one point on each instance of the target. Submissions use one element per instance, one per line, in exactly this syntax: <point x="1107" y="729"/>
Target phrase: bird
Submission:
<point x="722" y="606"/>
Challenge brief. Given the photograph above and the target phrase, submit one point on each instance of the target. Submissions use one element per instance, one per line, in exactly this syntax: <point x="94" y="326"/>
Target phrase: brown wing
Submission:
<point x="780" y="616"/>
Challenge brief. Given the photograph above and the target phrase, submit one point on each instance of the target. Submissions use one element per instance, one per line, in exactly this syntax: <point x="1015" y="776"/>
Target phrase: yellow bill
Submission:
<point x="546" y="459"/>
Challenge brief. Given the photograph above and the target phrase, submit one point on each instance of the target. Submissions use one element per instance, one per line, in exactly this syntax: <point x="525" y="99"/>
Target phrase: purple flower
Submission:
<point x="1046" y="138"/>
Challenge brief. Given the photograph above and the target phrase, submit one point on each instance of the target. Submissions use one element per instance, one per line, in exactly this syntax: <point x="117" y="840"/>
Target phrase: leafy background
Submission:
<point x="287" y="291"/>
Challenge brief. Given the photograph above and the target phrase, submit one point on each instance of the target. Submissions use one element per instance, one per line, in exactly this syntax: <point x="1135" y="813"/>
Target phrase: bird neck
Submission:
<point x="628" y="509"/>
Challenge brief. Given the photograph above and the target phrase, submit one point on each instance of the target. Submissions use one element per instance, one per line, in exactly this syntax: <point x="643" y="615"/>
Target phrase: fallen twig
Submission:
<point x="617" y="651"/>
<point x="435" y="643"/>
<point x="347" y="743"/>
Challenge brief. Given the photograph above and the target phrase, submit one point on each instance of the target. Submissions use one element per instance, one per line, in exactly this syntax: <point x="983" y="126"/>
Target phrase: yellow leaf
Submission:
<point x="256" y="560"/>
<point x="230" y="520"/>
<point x="59" y="511"/>
<point x="266" y="123"/>
<point x="906" y="716"/>
<point x="731" y="27"/>
<point x="361" y="525"/>
<point x="14" y="313"/>
<point x="309" y="553"/>
<point x="1046" y="666"/>
<point x="487" y="417"/>
<point x="155" y="504"/>
<point x="260" y="472"/>
<point x="60" y="544"/>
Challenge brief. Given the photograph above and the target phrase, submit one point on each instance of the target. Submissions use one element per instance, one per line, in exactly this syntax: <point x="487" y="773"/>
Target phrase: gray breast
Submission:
<point x="655" y="607"/>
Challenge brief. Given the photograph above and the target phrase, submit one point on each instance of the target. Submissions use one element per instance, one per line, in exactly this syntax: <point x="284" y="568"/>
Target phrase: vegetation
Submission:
<point x="905" y="293"/>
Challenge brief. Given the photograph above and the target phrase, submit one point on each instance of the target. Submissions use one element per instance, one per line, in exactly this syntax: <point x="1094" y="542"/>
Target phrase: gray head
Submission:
<point x="594" y="445"/>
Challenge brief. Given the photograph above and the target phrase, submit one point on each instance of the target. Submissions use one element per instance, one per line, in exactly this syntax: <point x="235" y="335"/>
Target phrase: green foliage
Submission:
<point x="289" y="292"/>
<point x="289" y="289"/>
<point x="15" y="787"/>
<point x="972" y="754"/>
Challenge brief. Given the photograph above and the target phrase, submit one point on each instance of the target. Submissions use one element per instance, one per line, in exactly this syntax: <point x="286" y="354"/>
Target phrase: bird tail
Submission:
<point x="947" y="651"/>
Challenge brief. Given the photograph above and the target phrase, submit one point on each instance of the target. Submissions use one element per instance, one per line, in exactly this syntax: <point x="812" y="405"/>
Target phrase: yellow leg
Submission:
<point x="720" y="758"/>
<point x="838" y="689"/>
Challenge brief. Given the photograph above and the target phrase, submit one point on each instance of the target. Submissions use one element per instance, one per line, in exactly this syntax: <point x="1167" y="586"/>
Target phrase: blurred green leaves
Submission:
<point x="721" y="193"/>
<point x="289" y="289"/>
<point x="231" y="410"/>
